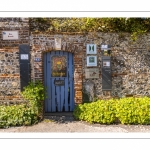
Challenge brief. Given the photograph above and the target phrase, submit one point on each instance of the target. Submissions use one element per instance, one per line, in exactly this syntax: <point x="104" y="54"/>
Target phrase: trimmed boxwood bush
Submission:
<point x="17" y="115"/>
<point x="126" y="110"/>
<point x="96" y="112"/>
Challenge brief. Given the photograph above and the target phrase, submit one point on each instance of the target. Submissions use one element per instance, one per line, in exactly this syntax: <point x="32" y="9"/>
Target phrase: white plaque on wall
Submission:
<point x="106" y="63"/>
<point x="10" y="35"/>
<point x="57" y="43"/>
<point x="91" y="49"/>
<point x="104" y="46"/>
<point x="24" y="57"/>
<point x="91" y="60"/>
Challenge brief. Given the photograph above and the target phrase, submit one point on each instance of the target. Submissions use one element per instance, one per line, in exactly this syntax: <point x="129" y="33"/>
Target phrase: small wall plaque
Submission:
<point x="91" y="49"/>
<point x="59" y="82"/>
<point x="104" y="46"/>
<point x="91" y="60"/>
<point x="37" y="60"/>
<point x="92" y="73"/>
<point x="57" y="43"/>
<point x="106" y="63"/>
<point x="24" y="57"/>
<point x="10" y="35"/>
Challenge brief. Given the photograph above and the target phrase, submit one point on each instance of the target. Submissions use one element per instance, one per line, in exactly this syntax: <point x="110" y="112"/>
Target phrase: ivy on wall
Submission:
<point x="135" y="26"/>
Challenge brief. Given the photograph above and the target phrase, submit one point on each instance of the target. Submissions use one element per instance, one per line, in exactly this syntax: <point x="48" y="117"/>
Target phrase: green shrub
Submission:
<point x="17" y="115"/>
<point x="126" y="110"/>
<point x="35" y="94"/>
<point x="100" y="111"/>
<point x="133" y="110"/>
<point x="25" y="114"/>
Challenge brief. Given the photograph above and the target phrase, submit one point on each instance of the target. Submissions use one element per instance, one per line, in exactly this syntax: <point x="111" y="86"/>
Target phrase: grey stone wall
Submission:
<point x="130" y="60"/>
<point x="10" y="24"/>
<point x="130" y="65"/>
<point x="9" y="58"/>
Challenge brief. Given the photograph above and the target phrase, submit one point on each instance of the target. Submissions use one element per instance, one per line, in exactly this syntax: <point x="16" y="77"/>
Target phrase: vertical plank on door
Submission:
<point x="53" y="92"/>
<point x="58" y="92"/>
<point x="71" y="81"/>
<point x="62" y="97"/>
<point x="49" y="82"/>
<point x="45" y="81"/>
<point x="58" y="97"/>
<point x="62" y="90"/>
<point x="66" y="85"/>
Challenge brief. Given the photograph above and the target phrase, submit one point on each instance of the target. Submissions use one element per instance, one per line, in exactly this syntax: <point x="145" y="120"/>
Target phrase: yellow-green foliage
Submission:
<point x="126" y="110"/>
<point x="35" y="93"/>
<point x="17" y="115"/>
<point x="133" y="110"/>
<point x="96" y="112"/>
<point x="25" y="114"/>
<point x="135" y="26"/>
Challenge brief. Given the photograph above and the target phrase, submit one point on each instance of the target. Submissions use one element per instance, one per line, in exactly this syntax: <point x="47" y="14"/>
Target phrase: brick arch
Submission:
<point x="67" y="47"/>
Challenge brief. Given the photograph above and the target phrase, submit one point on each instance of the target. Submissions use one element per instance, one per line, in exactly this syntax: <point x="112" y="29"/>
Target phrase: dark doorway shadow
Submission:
<point x="60" y="117"/>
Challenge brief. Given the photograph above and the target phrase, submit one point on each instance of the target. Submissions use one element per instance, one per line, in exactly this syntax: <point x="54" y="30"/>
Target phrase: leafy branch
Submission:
<point x="134" y="26"/>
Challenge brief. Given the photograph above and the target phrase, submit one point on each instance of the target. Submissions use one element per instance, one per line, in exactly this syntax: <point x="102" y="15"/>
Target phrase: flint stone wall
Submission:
<point x="9" y="59"/>
<point x="130" y="61"/>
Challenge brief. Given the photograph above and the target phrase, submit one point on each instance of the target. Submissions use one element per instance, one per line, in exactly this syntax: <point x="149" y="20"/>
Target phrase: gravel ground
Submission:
<point x="68" y="124"/>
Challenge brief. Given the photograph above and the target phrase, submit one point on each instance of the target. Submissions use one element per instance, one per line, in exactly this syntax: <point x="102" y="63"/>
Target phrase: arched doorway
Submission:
<point x="59" y="81"/>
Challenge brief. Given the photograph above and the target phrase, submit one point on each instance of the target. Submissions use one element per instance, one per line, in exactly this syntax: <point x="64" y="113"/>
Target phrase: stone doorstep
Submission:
<point x="60" y="117"/>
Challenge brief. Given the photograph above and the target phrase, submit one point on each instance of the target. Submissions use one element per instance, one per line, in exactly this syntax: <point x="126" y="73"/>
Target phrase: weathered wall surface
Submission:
<point x="130" y="65"/>
<point x="130" y="62"/>
<point x="9" y="58"/>
<point x="44" y="43"/>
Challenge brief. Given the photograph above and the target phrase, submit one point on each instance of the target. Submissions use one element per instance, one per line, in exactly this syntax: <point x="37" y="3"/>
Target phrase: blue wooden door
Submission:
<point x="59" y="80"/>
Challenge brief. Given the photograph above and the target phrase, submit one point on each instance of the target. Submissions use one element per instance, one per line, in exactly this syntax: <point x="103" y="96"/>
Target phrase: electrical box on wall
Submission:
<point x="106" y="68"/>
<point x="24" y="51"/>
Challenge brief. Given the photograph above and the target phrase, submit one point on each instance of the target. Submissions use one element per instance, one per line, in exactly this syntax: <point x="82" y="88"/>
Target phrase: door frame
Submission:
<point x="58" y="94"/>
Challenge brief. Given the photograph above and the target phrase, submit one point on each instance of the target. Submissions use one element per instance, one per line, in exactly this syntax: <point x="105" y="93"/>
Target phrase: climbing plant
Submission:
<point x="134" y="26"/>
